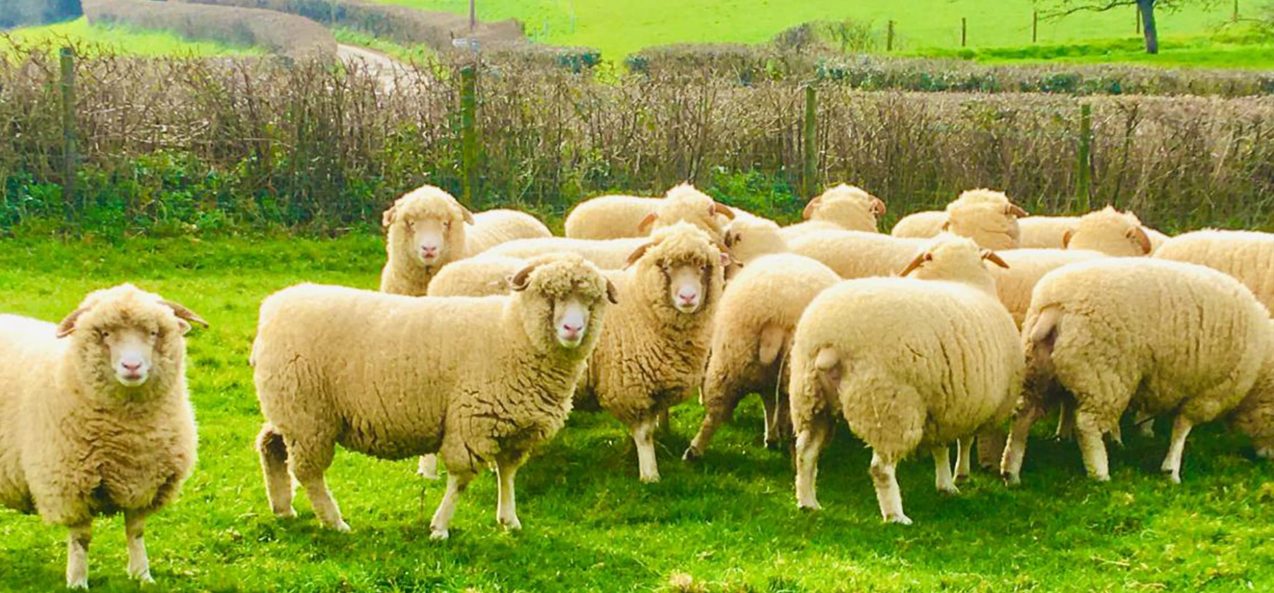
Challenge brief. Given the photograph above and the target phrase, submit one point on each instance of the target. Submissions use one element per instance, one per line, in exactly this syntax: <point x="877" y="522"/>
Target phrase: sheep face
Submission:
<point x="427" y="226"/>
<point x="564" y="295"/>
<point x="682" y="265"/>
<point x="123" y="338"/>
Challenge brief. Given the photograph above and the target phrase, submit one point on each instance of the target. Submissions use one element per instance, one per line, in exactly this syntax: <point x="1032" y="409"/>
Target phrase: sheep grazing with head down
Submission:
<point x="426" y="230"/>
<point x="1111" y="232"/>
<point x="480" y="381"/>
<point x="842" y="207"/>
<point x="653" y="352"/>
<point x="1156" y="336"/>
<point x="986" y="216"/>
<point x="751" y="336"/>
<point x="95" y="418"/>
<point x="913" y="363"/>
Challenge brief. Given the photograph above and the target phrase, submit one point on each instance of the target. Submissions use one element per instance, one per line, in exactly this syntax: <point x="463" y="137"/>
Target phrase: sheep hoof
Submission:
<point x="963" y="477"/>
<point x="1172" y="476"/>
<point x="511" y="523"/>
<point x="1100" y="477"/>
<point x="1011" y="479"/>
<point x="949" y="491"/>
<point x="78" y="584"/>
<point x="429" y="475"/>
<point x="340" y="527"/>
<point x="691" y="454"/>
<point x="439" y="535"/>
<point x="288" y="513"/>
<point x="900" y="519"/>
<point x="144" y="578"/>
<point x="650" y="479"/>
<point x="809" y="506"/>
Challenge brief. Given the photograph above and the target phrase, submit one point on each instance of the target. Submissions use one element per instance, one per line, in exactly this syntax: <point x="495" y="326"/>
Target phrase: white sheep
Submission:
<point x="607" y="254"/>
<point x="655" y="346"/>
<point x="493" y="227"/>
<point x="485" y="275"/>
<point x="1154" y="335"/>
<point x="1046" y="232"/>
<point x="751" y="336"/>
<point x="911" y="363"/>
<point x="620" y="217"/>
<point x="843" y="207"/>
<point x="750" y="238"/>
<point x="1015" y="284"/>
<point x="480" y="381"/>
<point x="856" y="254"/>
<point x="1111" y="232"/>
<point x="684" y="203"/>
<point x="1245" y="255"/>
<point x="986" y="216"/>
<point x="95" y="418"/>
<point x="920" y="225"/>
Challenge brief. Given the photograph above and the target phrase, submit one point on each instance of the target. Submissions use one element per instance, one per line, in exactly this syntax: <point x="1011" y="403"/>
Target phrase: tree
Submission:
<point x="1148" y="28"/>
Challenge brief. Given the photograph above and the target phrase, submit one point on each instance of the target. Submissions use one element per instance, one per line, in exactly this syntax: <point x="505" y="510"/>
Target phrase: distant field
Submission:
<point x="620" y="28"/>
<point x="1198" y="51"/>
<point x="124" y="40"/>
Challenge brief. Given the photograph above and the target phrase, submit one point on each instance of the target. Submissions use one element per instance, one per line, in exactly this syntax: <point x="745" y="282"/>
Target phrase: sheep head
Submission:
<point x="426" y="226"/>
<point x="565" y="298"/>
<point x="846" y="206"/>
<point x="680" y="271"/>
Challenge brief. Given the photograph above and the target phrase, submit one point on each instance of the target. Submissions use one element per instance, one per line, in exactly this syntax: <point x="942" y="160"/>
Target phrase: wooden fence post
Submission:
<point x="889" y="36"/>
<point x="809" y="153"/>
<point x="964" y="32"/>
<point x="469" y="131"/>
<point x="1234" y="18"/>
<point x="70" y="152"/>
<point x="1085" y="164"/>
<point x="1035" y="26"/>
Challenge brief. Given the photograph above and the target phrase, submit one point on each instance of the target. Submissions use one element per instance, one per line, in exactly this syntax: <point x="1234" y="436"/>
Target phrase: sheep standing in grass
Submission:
<point x="480" y="381"/>
<point x="843" y="207"/>
<point x="655" y="347"/>
<point x="751" y="336"/>
<point x="912" y="364"/>
<point x="95" y="418"/>
<point x="1245" y="255"/>
<point x="1154" y="335"/>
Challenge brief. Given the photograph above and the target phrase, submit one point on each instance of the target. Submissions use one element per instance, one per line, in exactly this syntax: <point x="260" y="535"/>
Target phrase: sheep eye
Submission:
<point x="102" y="335"/>
<point x="154" y="333"/>
<point x="409" y="224"/>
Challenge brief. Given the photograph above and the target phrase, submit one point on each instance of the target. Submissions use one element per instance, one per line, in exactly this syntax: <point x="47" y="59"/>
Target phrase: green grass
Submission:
<point x="94" y="38"/>
<point x="621" y="28"/>
<point x="1199" y="51"/>
<point x="729" y="522"/>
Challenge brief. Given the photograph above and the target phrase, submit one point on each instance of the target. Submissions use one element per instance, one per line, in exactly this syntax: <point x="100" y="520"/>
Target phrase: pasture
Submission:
<point x="621" y="28"/>
<point x="121" y="40"/>
<point x="726" y="523"/>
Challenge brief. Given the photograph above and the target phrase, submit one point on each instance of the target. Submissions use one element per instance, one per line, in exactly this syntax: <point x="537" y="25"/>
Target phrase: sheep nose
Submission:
<point x="429" y="250"/>
<point x="571" y="330"/>
<point x="131" y="367"/>
<point x="687" y="297"/>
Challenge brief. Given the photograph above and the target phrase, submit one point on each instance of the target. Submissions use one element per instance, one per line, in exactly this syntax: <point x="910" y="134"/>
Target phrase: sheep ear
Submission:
<point x="387" y="218"/>
<point x="468" y="216"/>
<point x="519" y="280"/>
<point x="185" y="315"/>
<point x="612" y="293"/>
<point x="946" y="226"/>
<point x="67" y="325"/>
<point x="1015" y="210"/>
<point x="1139" y="235"/>
<point x="730" y="239"/>
<point x="636" y="254"/>
<point x="1066" y="238"/>
<point x="809" y="208"/>
<point x="643" y="227"/>
<point x="723" y="210"/>
<point x="915" y="263"/>
<point x="877" y="206"/>
<point x="994" y="258"/>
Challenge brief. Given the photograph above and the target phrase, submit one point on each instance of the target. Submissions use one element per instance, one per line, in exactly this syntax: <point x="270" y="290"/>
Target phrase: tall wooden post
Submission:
<point x="70" y="151"/>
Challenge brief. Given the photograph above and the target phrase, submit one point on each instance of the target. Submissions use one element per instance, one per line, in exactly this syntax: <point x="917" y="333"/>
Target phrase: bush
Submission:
<point x="16" y="13"/>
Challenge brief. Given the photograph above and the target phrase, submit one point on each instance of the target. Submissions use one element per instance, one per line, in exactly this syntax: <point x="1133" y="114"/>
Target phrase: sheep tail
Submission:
<point x="1044" y="328"/>
<point x="773" y="339"/>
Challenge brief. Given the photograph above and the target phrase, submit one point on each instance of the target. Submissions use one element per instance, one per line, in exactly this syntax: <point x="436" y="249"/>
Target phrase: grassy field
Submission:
<point x="620" y="28"/>
<point x="122" y="40"/>
<point x="1197" y="51"/>
<point x="728" y="523"/>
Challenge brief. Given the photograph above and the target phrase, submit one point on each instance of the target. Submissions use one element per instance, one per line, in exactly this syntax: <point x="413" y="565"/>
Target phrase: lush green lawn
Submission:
<point x="620" y="28"/>
<point x="122" y="40"/>
<point x="1198" y="51"/>
<point x="728" y="523"/>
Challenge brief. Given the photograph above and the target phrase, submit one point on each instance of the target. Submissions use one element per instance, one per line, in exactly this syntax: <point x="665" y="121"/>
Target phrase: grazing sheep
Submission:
<point x="609" y="217"/>
<point x="1046" y="232"/>
<point x="1246" y="255"/>
<point x="912" y="364"/>
<point x="494" y="227"/>
<point x="477" y="380"/>
<point x="751" y="335"/>
<point x="1111" y="232"/>
<point x="95" y="418"/>
<point x="1254" y="416"/>
<point x="843" y="207"/>
<point x="855" y="254"/>
<point x="1155" y="335"/>
<point x="426" y="230"/>
<point x="653" y="352"/>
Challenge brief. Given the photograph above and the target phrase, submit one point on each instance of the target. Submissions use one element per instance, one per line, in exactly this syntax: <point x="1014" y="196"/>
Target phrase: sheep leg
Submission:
<point x="718" y="412"/>
<point x="274" y="465"/>
<point x="990" y="444"/>
<point x="778" y="420"/>
<point x="942" y="471"/>
<point x="643" y="436"/>
<point x="457" y="481"/>
<point x="138" y="563"/>
<point x="1065" y="421"/>
<point x="809" y="444"/>
<point x="506" y="513"/>
<point x="77" y="543"/>
<point x="1145" y="424"/>
<point x="427" y="468"/>
<point x="664" y="422"/>
<point x="964" y="450"/>
<point x="1172" y="463"/>
<point x="883" y="477"/>
<point x="321" y="499"/>
<point x="1015" y="450"/>
<point x="1091" y="446"/>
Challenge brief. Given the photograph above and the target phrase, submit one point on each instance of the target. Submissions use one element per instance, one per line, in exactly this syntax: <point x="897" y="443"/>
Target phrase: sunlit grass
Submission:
<point x="101" y="38"/>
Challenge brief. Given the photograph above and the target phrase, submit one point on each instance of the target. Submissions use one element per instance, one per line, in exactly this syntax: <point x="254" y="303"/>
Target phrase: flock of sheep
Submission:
<point x="943" y="332"/>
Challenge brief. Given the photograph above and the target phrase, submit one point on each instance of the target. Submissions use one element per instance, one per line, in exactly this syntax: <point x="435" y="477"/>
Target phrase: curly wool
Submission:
<point x="920" y="225"/>
<point x="75" y="443"/>
<point x="1245" y="255"/>
<point x="1045" y="232"/>
<point x="1156" y="335"/>
<point x="751" y="333"/>
<point x="494" y="227"/>
<point x="609" y="217"/>
<point x="987" y="217"/>
<point x="607" y="254"/>
<point x="1111" y="232"/>
<point x="844" y="207"/>
<point x="749" y="238"/>
<point x="485" y="275"/>
<point x="1026" y="266"/>
<point x="855" y="254"/>
<point x="403" y="273"/>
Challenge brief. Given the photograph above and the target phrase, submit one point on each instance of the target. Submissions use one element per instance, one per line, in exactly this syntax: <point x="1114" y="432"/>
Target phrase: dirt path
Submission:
<point x="385" y="67"/>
